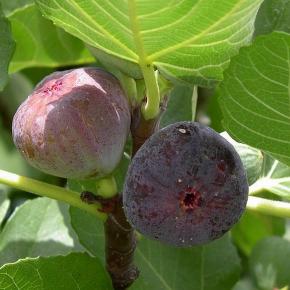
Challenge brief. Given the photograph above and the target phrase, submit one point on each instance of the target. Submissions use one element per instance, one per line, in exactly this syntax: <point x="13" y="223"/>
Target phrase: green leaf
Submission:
<point x="90" y="231"/>
<point x="16" y="91"/>
<point x="252" y="158"/>
<point x="270" y="264"/>
<point x="39" y="227"/>
<point x="253" y="227"/>
<point x="179" y="106"/>
<point x="190" y="41"/>
<point x="209" y="267"/>
<point x="254" y="95"/>
<point x="273" y="15"/>
<point x="40" y="43"/>
<point x="245" y="284"/>
<point x="11" y="159"/>
<point x="275" y="178"/>
<point x="11" y="5"/>
<point x="4" y="203"/>
<point x="215" y="114"/>
<point x="6" y="48"/>
<point x="73" y="272"/>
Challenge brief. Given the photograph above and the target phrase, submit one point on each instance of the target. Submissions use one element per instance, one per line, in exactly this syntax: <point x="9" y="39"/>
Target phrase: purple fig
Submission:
<point x="185" y="186"/>
<point x="74" y="124"/>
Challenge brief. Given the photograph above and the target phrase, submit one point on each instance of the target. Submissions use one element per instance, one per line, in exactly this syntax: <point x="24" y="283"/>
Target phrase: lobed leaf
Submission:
<point x="190" y="40"/>
<point x="255" y="95"/>
<point x="40" y="43"/>
<point x="75" y="271"/>
<point x="9" y="6"/>
<point x="90" y="231"/>
<point x="178" y="107"/>
<point x="275" y="178"/>
<point x="39" y="227"/>
<point x="270" y="264"/>
<point x="6" y="48"/>
<point x="273" y="15"/>
<point x="15" y="92"/>
<point x="254" y="227"/>
<point x="209" y="267"/>
<point x="4" y="203"/>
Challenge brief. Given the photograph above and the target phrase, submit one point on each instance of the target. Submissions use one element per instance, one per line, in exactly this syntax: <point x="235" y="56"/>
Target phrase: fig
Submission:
<point x="185" y="186"/>
<point x="74" y="124"/>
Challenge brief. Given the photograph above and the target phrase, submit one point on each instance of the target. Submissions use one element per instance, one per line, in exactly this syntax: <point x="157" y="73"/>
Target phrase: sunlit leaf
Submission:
<point x="43" y="44"/>
<point x="275" y="178"/>
<point x="189" y="40"/>
<point x="254" y="95"/>
<point x="39" y="227"/>
<point x="75" y="271"/>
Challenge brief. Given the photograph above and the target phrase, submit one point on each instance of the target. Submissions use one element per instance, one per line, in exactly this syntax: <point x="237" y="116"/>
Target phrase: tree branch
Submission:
<point x="119" y="235"/>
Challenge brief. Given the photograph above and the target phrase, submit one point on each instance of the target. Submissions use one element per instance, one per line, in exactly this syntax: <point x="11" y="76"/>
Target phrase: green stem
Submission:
<point x="269" y="207"/>
<point x="151" y="109"/>
<point x="49" y="190"/>
<point x="258" y="204"/>
<point x="107" y="187"/>
<point x="141" y="89"/>
<point x="194" y="103"/>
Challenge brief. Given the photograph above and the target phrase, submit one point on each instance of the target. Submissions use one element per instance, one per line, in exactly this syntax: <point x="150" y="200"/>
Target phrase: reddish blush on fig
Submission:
<point x="74" y="124"/>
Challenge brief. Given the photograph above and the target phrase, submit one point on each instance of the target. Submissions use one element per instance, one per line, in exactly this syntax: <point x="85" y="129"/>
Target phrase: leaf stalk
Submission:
<point x="49" y="190"/>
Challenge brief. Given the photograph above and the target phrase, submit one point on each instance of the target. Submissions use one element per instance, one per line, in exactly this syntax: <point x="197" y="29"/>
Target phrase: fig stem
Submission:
<point x="107" y="187"/>
<point x="150" y="109"/>
<point x="119" y="235"/>
<point x="142" y="129"/>
<point x="49" y="190"/>
<point x="269" y="207"/>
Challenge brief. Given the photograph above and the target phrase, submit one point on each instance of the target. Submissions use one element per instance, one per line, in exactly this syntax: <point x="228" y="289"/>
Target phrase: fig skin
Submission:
<point x="74" y="124"/>
<point x="185" y="186"/>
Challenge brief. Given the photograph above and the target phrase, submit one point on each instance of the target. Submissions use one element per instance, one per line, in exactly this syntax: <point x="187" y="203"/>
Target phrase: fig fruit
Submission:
<point x="74" y="124"/>
<point x="185" y="186"/>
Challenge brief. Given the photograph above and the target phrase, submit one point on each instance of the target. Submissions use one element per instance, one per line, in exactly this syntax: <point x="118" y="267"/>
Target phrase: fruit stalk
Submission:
<point x="142" y="129"/>
<point x="120" y="243"/>
<point x="119" y="235"/>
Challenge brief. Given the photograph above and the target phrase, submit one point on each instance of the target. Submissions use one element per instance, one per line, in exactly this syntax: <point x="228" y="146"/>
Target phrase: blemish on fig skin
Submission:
<point x="183" y="130"/>
<point x="53" y="88"/>
<point x="190" y="199"/>
<point x="222" y="165"/>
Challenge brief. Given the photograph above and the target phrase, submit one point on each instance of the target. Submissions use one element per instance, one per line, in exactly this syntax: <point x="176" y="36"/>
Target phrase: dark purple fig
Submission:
<point x="185" y="186"/>
<point x="74" y="124"/>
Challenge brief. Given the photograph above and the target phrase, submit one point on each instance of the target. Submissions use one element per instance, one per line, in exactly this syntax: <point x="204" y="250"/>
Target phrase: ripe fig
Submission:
<point x="185" y="186"/>
<point x="74" y="124"/>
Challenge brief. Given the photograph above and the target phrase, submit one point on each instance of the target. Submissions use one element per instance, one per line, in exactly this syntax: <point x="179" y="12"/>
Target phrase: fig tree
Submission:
<point x="185" y="186"/>
<point x="74" y="124"/>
